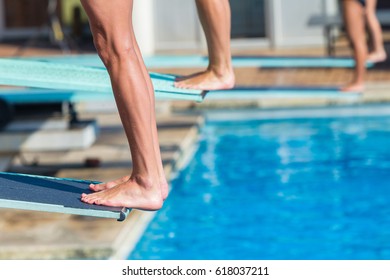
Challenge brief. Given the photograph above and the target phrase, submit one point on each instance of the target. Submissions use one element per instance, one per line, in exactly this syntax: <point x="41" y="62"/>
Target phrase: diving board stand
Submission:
<point x="56" y="82"/>
<point x="5" y="161"/>
<point x="50" y="194"/>
<point x="45" y="135"/>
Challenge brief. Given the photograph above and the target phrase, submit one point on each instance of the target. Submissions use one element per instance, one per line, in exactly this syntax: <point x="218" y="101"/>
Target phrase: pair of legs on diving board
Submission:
<point x="111" y="25"/>
<point x="356" y="14"/>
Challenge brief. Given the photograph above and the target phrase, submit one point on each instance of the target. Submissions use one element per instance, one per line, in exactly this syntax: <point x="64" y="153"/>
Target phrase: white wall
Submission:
<point x="166" y="25"/>
<point x="331" y="7"/>
<point x="144" y="22"/>
<point x="290" y="21"/>
<point x="177" y="25"/>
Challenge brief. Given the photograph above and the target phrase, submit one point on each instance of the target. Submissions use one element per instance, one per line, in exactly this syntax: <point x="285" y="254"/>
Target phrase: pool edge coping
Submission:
<point x="138" y="221"/>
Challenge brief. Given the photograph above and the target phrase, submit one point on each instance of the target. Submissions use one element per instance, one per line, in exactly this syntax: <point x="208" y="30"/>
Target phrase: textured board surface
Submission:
<point x="48" y="75"/>
<point x="50" y="194"/>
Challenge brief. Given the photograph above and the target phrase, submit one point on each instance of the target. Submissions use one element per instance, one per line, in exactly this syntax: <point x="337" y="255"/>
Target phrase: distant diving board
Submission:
<point x="187" y="61"/>
<point x="33" y="95"/>
<point x="50" y="194"/>
<point x="47" y="75"/>
<point x="242" y="93"/>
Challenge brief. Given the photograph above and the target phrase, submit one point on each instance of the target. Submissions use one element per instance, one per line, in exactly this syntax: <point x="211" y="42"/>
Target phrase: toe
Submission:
<point x="178" y="85"/>
<point x="89" y="198"/>
<point x="84" y="198"/>
<point x="98" y="202"/>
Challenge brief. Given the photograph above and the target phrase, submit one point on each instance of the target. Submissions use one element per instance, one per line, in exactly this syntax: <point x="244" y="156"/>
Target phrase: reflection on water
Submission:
<point x="287" y="189"/>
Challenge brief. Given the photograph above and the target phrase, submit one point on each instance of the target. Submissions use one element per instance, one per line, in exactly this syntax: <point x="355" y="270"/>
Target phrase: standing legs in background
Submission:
<point x="354" y="18"/>
<point x="378" y="53"/>
<point x="215" y="17"/>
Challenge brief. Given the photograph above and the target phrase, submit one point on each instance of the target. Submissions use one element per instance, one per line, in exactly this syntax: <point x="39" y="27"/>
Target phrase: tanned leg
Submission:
<point x="215" y="18"/>
<point x="378" y="53"/>
<point x="111" y="25"/>
<point x="163" y="181"/>
<point x="353" y="13"/>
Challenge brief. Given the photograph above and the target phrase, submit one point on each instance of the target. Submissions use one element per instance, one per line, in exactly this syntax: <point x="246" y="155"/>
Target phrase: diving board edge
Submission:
<point x="43" y="207"/>
<point x="39" y="95"/>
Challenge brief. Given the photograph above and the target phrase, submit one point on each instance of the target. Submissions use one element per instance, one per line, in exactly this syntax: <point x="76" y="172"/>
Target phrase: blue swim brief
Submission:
<point x="363" y="2"/>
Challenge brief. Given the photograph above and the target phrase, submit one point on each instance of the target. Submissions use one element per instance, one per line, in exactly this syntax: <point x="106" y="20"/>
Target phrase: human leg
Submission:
<point x="163" y="181"/>
<point x="112" y="30"/>
<point x="353" y="13"/>
<point x="378" y="52"/>
<point x="215" y="18"/>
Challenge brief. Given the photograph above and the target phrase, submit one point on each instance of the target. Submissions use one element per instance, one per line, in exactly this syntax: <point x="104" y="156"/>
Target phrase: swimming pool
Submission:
<point x="269" y="185"/>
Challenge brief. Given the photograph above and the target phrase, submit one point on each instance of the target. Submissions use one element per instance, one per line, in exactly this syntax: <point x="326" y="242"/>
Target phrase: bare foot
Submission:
<point x="108" y="185"/>
<point x="353" y="87"/>
<point x="111" y="184"/>
<point x="164" y="189"/>
<point x="135" y="193"/>
<point x="376" y="57"/>
<point x="207" y="80"/>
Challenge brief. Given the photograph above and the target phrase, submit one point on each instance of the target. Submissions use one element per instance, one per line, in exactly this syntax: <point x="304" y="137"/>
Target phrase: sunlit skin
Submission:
<point x="378" y="53"/>
<point x="215" y="17"/>
<point x="146" y="187"/>
<point x="353" y="13"/>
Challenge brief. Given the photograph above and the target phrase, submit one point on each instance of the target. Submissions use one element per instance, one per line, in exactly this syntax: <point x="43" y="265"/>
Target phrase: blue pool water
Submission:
<point x="279" y="189"/>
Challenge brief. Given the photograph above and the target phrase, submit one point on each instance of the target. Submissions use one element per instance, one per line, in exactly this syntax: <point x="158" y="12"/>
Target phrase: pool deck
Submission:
<point x="39" y="235"/>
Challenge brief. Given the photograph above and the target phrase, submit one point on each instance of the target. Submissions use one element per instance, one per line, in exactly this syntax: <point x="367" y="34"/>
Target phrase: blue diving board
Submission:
<point x="42" y="96"/>
<point x="242" y="93"/>
<point x="47" y="75"/>
<point x="32" y="95"/>
<point x="186" y="61"/>
<point x="50" y="194"/>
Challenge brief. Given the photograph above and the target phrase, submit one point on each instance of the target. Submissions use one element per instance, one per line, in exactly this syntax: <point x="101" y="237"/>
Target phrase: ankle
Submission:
<point x="221" y="71"/>
<point x="144" y="181"/>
